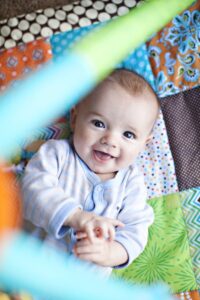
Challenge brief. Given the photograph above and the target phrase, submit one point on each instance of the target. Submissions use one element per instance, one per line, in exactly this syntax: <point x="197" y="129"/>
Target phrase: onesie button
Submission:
<point x="98" y="188"/>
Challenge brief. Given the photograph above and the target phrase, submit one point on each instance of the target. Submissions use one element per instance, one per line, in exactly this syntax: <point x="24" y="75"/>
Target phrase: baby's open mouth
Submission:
<point x="99" y="155"/>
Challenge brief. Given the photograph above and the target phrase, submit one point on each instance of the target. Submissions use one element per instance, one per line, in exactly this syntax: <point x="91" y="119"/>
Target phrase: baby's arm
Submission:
<point x="137" y="216"/>
<point x="44" y="201"/>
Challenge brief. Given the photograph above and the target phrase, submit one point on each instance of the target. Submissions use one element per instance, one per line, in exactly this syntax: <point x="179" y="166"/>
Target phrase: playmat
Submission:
<point x="170" y="61"/>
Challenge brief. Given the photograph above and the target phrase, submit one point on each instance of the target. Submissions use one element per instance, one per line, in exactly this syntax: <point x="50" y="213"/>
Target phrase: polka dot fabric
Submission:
<point x="157" y="164"/>
<point x="182" y="117"/>
<point x="137" y="61"/>
<point x="44" y="23"/>
<point x="62" y="42"/>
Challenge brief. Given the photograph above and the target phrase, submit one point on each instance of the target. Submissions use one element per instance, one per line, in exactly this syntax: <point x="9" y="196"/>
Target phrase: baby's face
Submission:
<point x="111" y="127"/>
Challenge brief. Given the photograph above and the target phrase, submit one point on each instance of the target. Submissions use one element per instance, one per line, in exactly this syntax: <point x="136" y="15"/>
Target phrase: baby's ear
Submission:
<point x="73" y="114"/>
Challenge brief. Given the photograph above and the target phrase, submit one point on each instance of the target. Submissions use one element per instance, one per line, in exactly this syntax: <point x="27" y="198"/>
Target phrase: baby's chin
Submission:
<point x="106" y="176"/>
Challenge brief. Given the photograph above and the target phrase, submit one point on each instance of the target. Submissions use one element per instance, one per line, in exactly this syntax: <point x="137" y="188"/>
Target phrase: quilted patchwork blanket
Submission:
<point x="170" y="61"/>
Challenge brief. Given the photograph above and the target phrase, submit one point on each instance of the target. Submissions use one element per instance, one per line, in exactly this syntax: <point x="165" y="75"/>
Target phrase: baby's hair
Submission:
<point x="130" y="81"/>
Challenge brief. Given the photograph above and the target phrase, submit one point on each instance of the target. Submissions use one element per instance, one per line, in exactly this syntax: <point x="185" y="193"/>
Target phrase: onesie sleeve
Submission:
<point x="137" y="216"/>
<point x="44" y="201"/>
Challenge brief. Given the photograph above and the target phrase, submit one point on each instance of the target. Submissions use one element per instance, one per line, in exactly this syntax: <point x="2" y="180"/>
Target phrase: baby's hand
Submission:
<point x="93" y="226"/>
<point x="98" y="252"/>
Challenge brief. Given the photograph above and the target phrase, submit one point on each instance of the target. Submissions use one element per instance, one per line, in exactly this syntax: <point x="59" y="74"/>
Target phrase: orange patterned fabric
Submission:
<point x="10" y="203"/>
<point x="194" y="295"/>
<point x="17" y="62"/>
<point x="6" y="296"/>
<point x="174" y="53"/>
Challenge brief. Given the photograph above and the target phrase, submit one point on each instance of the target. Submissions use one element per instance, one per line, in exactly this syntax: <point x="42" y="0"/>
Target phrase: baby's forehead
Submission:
<point x="112" y="90"/>
<point x="133" y="90"/>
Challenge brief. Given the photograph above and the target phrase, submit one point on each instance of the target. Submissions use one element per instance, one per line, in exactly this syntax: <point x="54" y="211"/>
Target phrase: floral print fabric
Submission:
<point x="174" y="53"/>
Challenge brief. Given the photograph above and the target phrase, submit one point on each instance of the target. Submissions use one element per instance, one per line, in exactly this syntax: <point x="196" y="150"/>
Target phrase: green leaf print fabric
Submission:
<point x="166" y="257"/>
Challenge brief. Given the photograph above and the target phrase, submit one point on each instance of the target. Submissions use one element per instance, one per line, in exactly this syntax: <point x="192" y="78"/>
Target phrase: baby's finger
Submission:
<point x="116" y="223"/>
<point x="83" y="242"/>
<point x="90" y="232"/>
<point x="98" y="232"/>
<point x="88" y="248"/>
<point x="91" y="257"/>
<point x="81" y="235"/>
<point x="111" y="233"/>
<point x="103" y="229"/>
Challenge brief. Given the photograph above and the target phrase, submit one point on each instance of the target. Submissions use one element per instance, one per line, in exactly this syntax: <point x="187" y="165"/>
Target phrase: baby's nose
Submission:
<point x="109" y="140"/>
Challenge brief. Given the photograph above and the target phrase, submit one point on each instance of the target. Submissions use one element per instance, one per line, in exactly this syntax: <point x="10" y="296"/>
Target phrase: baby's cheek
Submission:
<point x="85" y="135"/>
<point x="125" y="160"/>
<point x="129" y="157"/>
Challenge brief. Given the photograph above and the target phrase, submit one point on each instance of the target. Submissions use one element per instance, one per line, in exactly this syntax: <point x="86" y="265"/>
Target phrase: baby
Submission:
<point x="88" y="194"/>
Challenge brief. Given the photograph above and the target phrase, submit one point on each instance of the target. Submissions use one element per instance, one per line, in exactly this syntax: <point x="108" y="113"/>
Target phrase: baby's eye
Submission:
<point x="98" y="123"/>
<point x="129" y="135"/>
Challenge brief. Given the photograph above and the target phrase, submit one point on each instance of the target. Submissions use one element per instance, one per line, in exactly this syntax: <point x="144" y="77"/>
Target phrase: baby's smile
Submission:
<point x="101" y="156"/>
